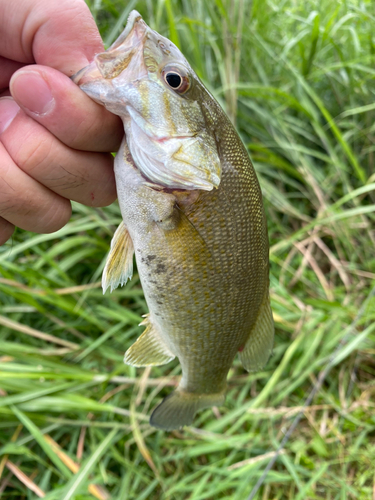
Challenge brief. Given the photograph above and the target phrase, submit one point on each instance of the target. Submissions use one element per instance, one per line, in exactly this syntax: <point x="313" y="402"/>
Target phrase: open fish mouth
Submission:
<point x="119" y="56"/>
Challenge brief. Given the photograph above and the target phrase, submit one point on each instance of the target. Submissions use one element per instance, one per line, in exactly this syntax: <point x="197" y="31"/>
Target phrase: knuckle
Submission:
<point x="35" y="153"/>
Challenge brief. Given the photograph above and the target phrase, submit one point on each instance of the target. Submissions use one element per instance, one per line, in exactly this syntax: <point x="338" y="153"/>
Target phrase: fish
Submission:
<point x="193" y="217"/>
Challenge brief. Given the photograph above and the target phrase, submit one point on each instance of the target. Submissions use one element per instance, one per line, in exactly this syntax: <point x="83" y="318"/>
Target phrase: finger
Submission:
<point x="26" y="203"/>
<point x="84" y="177"/>
<point x="6" y="230"/>
<point x="58" y="33"/>
<point x="57" y="103"/>
<point x="8" y="67"/>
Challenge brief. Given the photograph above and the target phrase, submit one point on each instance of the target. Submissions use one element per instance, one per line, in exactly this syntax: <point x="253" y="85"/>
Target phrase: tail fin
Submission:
<point x="178" y="409"/>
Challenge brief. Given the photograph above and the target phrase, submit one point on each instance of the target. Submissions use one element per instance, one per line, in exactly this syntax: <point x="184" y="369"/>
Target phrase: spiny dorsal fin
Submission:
<point x="119" y="265"/>
<point x="258" y="347"/>
<point x="149" y="349"/>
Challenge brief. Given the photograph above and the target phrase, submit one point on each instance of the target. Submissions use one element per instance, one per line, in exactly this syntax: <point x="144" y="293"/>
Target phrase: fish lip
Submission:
<point x="133" y="18"/>
<point x="87" y="74"/>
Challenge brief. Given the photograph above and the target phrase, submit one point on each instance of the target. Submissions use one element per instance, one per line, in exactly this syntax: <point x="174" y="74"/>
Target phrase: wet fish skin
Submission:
<point x="192" y="214"/>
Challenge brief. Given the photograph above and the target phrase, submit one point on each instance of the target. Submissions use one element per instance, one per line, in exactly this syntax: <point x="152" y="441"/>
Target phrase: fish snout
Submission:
<point x="124" y="57"/>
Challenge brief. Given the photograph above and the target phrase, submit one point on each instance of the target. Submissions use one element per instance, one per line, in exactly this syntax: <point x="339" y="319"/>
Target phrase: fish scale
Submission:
<point x="192" y="215"/>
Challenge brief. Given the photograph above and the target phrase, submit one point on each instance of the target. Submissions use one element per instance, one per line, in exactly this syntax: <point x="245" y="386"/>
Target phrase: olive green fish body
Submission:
<point x="193" y="216"/>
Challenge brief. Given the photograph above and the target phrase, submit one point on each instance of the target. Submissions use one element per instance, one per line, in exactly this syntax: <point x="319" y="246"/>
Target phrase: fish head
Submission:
<point x="145" y="79"/>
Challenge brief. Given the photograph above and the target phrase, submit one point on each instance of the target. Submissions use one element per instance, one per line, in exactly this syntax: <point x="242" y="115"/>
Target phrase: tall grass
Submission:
<point x="297" y="78"/>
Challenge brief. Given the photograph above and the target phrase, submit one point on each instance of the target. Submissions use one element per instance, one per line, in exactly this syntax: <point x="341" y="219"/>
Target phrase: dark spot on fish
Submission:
<point x="158" y="302"/>
<point x="149" y="259"/>
<point x="160" y="268"/>
<point x="240" y="349"/>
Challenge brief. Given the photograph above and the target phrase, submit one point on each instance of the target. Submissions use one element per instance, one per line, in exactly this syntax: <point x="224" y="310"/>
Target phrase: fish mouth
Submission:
<point x="120" y="55"/>
<point x="134" y="23"/>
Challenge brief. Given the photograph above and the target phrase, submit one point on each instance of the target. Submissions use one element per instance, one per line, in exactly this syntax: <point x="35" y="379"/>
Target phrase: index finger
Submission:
<point x="61" y="34"/>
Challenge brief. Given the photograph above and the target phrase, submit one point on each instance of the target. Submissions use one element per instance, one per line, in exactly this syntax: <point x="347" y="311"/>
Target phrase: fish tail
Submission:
<point x="178" y="409"/>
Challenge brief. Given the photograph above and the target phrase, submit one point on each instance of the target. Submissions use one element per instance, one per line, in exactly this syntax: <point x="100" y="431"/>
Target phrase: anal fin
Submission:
<point x="258" y="347"/>
<point x="149" y="349"/>
<point x="119" y="266"/>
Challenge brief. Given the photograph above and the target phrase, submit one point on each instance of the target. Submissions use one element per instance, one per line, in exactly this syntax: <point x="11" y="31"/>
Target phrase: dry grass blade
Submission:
<point x="59" y="291"/>
<point x="254" y="460"/>
<point x="96" y="490"/>
<point x="76" y="289"/>
<point x="5" y="482"/>
<point x="81" y="443"/>
<point x="14" y="325"/>
<point x="24" y="479"/>
<point x="152" y="382"/>
<point x="137" y="434"/>
<point x="308" y="257"/>
<point x="12" y="440"/>
<point x="335" y="262"/>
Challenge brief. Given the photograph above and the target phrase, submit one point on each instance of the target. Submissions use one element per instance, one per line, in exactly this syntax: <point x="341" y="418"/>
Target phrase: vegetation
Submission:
<point x="298" y="78"/>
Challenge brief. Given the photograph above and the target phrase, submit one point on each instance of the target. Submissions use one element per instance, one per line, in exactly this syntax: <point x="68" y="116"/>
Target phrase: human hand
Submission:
<point x="55" y="142"/>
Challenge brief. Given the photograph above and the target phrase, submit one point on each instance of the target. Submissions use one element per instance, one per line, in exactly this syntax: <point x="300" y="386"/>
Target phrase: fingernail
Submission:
<point x="8" y="110"/>
<point x="32" y="92"/>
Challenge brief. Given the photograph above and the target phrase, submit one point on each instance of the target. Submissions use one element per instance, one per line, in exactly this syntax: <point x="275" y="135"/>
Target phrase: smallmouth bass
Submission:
<point x="192" y="215"/>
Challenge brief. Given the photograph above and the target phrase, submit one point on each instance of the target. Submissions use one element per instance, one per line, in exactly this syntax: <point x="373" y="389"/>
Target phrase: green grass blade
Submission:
<point x="77" y="481"/>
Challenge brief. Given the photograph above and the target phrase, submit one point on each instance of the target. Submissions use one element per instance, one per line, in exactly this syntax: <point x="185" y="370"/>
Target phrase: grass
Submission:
<point x="298" y="79"/>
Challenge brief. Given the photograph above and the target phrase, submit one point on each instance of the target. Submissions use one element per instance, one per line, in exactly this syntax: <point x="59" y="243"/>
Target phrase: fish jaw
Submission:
<point x="124" y="58"/>
<point x="167" y="133"/>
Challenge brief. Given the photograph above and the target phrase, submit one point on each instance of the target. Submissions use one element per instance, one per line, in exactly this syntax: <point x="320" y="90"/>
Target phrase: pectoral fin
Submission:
<point x="119" y="265"/>
<point x="149" y="349"/>
<point x="258" y="347"/>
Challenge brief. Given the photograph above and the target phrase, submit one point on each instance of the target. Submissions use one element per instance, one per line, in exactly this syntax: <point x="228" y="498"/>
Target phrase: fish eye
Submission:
<point x="176" y="79"/>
